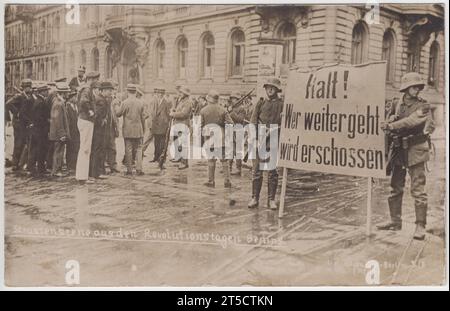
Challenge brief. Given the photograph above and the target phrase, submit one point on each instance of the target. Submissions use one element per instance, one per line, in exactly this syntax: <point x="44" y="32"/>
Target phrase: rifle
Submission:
<point x="163" y="157"/>
<point x="241" y="100"/>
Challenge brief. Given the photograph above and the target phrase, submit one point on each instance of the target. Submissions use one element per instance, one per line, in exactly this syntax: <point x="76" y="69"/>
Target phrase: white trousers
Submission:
<point x="86" y="129"/>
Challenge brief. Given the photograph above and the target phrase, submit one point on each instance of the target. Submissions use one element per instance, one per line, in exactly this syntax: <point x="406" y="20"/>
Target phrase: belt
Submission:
<point x="417" y="139"/>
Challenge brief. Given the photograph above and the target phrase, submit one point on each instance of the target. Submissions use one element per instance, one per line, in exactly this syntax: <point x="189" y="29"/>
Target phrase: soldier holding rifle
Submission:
<point x="409" y="125"/>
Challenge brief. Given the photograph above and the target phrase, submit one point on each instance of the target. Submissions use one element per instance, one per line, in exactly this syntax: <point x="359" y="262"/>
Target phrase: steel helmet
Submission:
<point x="411" y="79"/>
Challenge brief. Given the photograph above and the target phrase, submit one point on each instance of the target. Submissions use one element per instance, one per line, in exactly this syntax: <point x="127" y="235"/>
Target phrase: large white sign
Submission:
<point x="332" y="120"/>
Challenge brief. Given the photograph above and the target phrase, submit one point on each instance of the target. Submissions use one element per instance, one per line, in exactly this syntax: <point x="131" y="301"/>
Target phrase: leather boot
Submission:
<point x="226" y="173"/>
<point x="256" y="189"/>
<point x="419" y="234"/>
<point x="211" y="174"/>
<point x="394" y="226"/>
<point x="273" y="205"/>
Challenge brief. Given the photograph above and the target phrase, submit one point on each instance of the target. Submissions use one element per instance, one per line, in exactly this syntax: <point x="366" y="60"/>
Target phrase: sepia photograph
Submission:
<point x="246" y="145"/>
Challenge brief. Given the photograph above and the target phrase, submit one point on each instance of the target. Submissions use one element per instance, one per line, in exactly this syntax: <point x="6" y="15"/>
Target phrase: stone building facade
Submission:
<point x="204" y="46"/>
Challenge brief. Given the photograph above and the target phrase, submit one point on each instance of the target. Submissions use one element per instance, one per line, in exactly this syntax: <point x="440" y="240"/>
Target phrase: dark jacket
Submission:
<point x="21" y="106"/>
<point x="72" y="117"/>
<point x="215" y="114"/>
<point x="160" y="116"/>
<point x="411" y="121"/>
<point x="267" y="111"/>
<point x="74" y="84"/>
<point x="183" y="111"/>
<point x="86" y="103"/>
<point x="40" y="116"/>
<point x="59" y="123"/>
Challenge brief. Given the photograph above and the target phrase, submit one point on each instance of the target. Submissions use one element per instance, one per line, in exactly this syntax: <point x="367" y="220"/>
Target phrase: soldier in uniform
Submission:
<point x="215" y="114"/>
<point x="410" y="125"/>
<point x="238" y="114"/>
<point x="39" y="132"/>
<point x="59" y="127"/>
<point x="86" y="117"/>
<point x="79" y="80"/>
<point x="73" y="145"/>
<point x="160" y="121"/>
<point x="267" y="112"/>
<point x="181" y="114"/>
<point x="21" y="106"/>
<point x="133" y="112"/>
<point x="102" y="106"/>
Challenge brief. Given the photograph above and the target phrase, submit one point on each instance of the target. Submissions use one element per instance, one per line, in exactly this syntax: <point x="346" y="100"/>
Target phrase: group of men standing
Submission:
<point x="81" y="119"/>
<point x="54" y="119"/>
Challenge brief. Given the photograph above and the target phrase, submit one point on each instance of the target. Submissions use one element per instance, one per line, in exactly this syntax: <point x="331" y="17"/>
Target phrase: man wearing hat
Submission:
<point x="133" y="112"/>
<point x="38" y="143"/>
<point x="21" y="105"/>
<point x="410" y="125"/>
<point x="86" y="117"/>
<point x="73" y="145"/>
<point x="180" y="114"/>
<point x="59" y="127"/>
<point x="112" y="132"/>
<point x="77" y="81"/>
<point x="212" y="115"/>
<point x="238" y="114"/>
<point x="267" y="112"/>
<point x="102" y="106"/>
<point x="159" y="121"/>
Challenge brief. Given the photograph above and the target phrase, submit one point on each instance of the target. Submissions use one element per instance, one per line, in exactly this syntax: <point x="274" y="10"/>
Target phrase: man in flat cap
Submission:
<point x="102" y="106"/>
<point x="38" y="143"/>
<point x="266" y="112"/>
<point x="21" y="105"/>
<point x="86" y="117"/>
<point x="215" y="115"/>
<point x="180" y="114"/>
<point x="159" y="121"/>
<point x="133" y="112"/>
<point x="77" y="81"/>
<point x="59" y="127"/>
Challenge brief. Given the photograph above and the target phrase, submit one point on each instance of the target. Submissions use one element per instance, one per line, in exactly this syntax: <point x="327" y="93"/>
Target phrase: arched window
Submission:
<point x="42" y="70"/>
<point x="237" y="53"/>
<point x="360" y="43"/>
<point x="49" y="30"/>
<point x="42" y="35"/>
<point x="20" y="39"/>
<point x="83" y="57"/>
<point x="95" y="59"/>
<point x="159" y="61"/>
<point x="29" y="36"/>
<point x="388" y="54"/>
<point x="182" y="49"/>
<point x="433" y="64"/>
<point x="413" y="52"/>
<point x="288" y="33"/>
<point x="56" y="28"/>
<point x="55" y="68"/>
<point x="108" y="63"/>
<point x="207" y="56"/>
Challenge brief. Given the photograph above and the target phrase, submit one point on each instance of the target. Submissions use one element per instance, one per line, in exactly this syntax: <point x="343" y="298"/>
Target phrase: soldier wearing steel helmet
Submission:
<point x="410" y="125"/>
<point x="267" y="112"/>
<point x="215" y="115"/>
